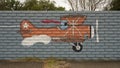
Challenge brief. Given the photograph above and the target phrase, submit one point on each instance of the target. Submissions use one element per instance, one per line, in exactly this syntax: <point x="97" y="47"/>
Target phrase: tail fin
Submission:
<point x="26" y="24"/>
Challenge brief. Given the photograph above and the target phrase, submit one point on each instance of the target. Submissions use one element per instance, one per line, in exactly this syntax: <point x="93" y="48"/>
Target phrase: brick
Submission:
<point x="3" y="56"/>
<point x="38" y="15"/>
<point x="12" y="15"/>
<point x="3" y="15"/>
<point x="118" y="56"/>
<point x="81" y="56"/>
<point x="100" y="56"/>
<point x="107" y="48"/>
<point x="47" y="56"/>
<point x="65" y="56"/>
<point x="20" y="56"/>
<point x="91" y="50"/>
<point x="110" y="56"/>
<point x="29" y="55"/>
<point x="100" y="15"/>
<point x="20" y="15"/>
<point x="92" y="56"/>
<point x="96" y="53"/>
<point x="11" y="50"/>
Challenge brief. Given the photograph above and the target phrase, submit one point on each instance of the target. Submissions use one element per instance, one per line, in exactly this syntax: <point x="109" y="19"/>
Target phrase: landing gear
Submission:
<point x="77" y="47"/>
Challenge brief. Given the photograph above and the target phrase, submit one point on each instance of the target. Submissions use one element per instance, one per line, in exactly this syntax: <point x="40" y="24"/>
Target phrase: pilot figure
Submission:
<point x="63" y="25"/>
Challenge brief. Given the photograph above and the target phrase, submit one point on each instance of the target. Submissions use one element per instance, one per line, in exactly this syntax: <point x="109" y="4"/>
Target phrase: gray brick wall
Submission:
<point x="109" y="33"/>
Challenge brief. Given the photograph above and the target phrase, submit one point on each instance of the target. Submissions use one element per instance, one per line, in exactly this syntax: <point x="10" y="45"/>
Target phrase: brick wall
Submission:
<point x="107" y="48"/>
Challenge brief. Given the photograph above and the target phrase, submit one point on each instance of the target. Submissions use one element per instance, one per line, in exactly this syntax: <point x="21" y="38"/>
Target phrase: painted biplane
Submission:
<point x="70" y="29"/>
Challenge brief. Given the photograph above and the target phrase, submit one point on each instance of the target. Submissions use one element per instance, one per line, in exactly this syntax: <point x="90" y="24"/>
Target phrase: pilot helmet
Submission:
<point x="63" y="24"/>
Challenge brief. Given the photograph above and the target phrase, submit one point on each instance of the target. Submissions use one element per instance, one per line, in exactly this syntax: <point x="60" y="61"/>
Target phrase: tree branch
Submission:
<point x="70" y="2"/>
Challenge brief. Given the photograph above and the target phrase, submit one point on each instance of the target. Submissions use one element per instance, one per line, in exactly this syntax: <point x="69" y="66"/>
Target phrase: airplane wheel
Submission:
<point x="77" y="47"/>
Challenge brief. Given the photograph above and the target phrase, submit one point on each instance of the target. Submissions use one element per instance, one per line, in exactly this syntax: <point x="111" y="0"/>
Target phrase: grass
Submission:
<point x="28" y="59"/>
<point x="48" y="63"/>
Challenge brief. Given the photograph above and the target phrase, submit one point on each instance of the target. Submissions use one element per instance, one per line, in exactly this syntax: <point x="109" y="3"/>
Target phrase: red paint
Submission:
<point x="50" y="21"/>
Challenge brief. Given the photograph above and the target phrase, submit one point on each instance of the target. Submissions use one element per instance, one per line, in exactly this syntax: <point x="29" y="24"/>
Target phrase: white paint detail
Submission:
<point x="9" y="26"/>
<point x="56" y="38"/>
<point x="77" y="47"/>
<point x="27" y="42"/>
<point x="97" y="36"/>
<point x="25" y="25"/>
<point x="73" y="27"/>
<point x="92" y="32"/>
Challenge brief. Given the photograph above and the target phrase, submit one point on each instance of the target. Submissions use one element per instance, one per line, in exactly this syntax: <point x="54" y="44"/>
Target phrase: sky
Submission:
<point x="62" y="3"/>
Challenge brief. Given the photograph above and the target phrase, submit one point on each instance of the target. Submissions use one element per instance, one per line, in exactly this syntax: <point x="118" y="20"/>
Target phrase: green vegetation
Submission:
<point x="48" y="63"/>
<point x="10" y="5"/>
<point x="115" y="5"/>
<point x="39" y="5"/>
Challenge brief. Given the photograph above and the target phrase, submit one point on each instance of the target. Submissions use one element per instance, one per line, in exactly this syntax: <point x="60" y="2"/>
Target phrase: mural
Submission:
<point x="69" y="29"/>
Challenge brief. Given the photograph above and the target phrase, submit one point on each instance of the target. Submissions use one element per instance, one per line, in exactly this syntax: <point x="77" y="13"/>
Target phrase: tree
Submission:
<point x="60" y="8"/>
<point x="10" y="5"/>
<point x="30" y="5"/>
<point x="38" y="5"/>
<point x="2" y="4"/>
<point x="41" y="5"/>
<point x="87" y="5"/>
<point x="115" y="5"/>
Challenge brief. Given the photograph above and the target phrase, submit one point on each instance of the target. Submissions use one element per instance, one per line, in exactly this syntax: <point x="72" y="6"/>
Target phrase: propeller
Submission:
<point x="97" y="36"/>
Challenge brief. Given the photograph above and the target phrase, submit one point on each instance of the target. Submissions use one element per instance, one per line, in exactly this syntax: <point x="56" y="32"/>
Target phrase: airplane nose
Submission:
<point x="92" y="32"/>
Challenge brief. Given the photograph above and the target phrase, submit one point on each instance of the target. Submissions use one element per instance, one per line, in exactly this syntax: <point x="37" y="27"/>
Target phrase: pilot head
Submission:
<point x="64" y="24"/>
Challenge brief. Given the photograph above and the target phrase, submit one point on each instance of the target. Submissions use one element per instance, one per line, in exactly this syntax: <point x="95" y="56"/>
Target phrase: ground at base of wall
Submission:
<point x="55" y="63"/>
